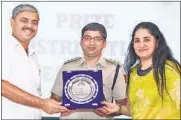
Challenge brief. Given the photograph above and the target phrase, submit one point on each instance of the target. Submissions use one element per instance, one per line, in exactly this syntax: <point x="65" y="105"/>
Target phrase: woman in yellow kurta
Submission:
<point x="145" y="101"/>
<point x="153" y="77"/>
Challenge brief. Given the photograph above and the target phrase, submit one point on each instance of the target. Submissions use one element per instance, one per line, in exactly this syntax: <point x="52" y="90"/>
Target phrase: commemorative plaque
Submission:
<point x="82" y="89"/>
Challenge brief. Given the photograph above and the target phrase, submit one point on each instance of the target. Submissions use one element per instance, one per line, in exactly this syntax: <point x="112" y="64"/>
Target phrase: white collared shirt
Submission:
<point x="21" y="70"/>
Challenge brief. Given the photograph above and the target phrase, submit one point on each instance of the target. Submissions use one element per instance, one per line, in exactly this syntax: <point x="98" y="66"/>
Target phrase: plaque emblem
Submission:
<point x="82" y="89"/>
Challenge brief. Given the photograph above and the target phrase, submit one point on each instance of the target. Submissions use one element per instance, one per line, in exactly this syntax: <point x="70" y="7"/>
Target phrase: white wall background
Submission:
<point x="61" y="22"/>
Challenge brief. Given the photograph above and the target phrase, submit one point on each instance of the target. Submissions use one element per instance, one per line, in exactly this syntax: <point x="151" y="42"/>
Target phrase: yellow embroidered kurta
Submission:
<point x="146" y="103"/>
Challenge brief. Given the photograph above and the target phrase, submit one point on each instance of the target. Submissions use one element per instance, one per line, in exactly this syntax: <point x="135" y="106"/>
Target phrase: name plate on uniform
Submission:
<point x="82" y="89"/>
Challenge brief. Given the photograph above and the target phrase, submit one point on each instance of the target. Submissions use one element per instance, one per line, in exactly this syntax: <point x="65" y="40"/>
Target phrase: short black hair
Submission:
<point x="23" y="7"/>
<point x="95" y="27"/>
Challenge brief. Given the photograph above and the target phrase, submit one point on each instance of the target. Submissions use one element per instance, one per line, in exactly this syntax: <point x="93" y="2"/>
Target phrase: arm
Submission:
<point x="16" y="94"/>
<point x="173" y="85"/>
<point x="19" y="96"/>
<point x="122" y="101"/>
<point x="123" y="106"/>
<point x="57" y="89"/>
<point x="119" y="93"/>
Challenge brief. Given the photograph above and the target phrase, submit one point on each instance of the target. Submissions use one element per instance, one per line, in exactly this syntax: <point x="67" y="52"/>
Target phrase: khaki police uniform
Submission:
<point x="108" y="68"/>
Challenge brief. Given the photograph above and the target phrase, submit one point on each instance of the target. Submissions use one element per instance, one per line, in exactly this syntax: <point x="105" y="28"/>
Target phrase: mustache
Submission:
<point x="26" y="28"/>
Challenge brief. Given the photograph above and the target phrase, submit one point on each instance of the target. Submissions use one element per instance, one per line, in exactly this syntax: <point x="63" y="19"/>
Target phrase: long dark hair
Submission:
<point x="160" y="55"/>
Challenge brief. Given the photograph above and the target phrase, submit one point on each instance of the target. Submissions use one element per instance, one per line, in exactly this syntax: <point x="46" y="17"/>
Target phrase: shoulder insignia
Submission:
<point x="71" y="60"/>
<point x="112" y="61"/>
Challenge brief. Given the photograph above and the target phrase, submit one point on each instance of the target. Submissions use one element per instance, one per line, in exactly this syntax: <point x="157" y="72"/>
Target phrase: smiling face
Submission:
<point x="25" y="26"/>
<point x="92" y="43"/>
<point x="144" y="44"/>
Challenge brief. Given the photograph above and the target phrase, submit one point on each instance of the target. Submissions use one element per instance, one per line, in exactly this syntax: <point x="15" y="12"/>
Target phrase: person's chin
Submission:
<point x="26" y="39"/>
<point x="142" y="54"/>
<point x="145" y="57"/>
<point x="92" y="55"/>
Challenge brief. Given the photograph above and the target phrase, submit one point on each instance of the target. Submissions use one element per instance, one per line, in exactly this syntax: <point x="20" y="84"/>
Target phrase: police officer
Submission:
<point x="92" y="42"/>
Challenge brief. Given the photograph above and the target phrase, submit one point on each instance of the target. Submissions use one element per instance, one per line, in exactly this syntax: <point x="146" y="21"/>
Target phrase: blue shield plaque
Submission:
<point x="82" y="89"/>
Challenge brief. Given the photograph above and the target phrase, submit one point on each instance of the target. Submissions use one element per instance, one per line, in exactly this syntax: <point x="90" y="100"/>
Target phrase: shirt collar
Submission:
<point x="16" y="43"/>
<point x="101" y="61"/>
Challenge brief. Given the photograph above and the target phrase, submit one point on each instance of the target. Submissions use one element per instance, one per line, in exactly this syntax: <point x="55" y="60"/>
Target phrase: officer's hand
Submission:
<point x="110" y="108"/>
<point x="101" y="112"/>
<point x="51" y="106"/>
<point x="67" y="113"/>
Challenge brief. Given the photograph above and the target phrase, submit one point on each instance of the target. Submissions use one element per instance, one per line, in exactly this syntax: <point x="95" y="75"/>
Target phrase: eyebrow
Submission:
<point x="35" y="20"/>
<point x="91" y="36"/>
<point x="136" y="38"/>
<point x="29" y="19"/>
<point x="87" y="35"/>
<point x="146" y="37"/>
<point x="24" y="18"/>
<point x="143" y="37"/>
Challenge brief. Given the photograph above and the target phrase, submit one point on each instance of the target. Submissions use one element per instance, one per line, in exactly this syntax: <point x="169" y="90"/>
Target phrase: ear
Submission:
<point x="105" y="42"/>
<point x="81" y="42"/>
<point x="12" y="22"/>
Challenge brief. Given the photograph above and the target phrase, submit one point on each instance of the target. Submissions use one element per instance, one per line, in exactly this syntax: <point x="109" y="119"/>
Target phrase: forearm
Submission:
<point x="124" y="109"/>
<point x="17" y="95"/>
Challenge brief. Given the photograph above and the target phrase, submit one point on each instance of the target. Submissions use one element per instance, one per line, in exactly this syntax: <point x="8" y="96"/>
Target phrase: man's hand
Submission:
<point x="101" y="112"/>
<point x="51" y="106"/>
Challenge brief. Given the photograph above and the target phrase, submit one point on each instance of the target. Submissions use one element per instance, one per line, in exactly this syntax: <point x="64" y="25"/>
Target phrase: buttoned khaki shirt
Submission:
<point x="108" y="71"/>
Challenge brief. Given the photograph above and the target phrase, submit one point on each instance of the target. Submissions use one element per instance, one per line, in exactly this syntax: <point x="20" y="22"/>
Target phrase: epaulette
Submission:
<point x="112" y="61"/>
<point x="71" y="60"/>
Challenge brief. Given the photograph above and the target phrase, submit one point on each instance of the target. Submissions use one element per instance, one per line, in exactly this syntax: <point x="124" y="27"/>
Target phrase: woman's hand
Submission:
<point x="110" y="108"/>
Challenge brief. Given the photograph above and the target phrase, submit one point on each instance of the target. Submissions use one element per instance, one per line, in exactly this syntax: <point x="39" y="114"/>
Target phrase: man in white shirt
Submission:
<point x="20" y="74"/>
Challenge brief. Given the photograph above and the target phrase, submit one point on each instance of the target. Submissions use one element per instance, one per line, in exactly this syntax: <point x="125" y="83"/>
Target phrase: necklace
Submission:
<point x="143" y="72"/>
